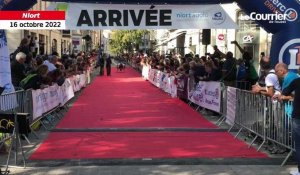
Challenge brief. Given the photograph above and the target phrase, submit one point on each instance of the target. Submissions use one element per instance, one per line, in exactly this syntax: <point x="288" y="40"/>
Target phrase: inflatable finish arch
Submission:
<point x="286" y="39"/>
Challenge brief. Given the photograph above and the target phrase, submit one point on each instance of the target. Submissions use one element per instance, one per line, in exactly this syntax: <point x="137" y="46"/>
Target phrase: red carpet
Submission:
<point x="125" y="100"/>
<point x="143" y="145"/>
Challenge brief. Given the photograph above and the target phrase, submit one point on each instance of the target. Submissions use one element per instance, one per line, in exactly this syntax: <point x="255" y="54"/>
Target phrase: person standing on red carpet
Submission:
<point x="101" y="64"/>
<point x="108" y="66"/>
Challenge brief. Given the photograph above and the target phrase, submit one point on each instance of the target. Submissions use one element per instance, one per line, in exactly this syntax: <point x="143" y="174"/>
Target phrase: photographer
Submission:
<point x="217" y="53"/>
<point x="252" y="75"/>
<point x="229" y="70"/>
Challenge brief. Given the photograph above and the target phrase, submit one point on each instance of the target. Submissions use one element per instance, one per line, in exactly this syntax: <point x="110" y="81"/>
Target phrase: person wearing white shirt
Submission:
<point x="272" y="85"/>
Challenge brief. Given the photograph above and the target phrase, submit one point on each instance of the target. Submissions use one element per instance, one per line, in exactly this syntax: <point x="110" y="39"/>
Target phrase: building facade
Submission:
<point x="49" y="40"/>
<point x="249" y="35"/>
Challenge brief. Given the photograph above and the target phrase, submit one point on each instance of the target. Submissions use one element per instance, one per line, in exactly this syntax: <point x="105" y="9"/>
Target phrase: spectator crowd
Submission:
<point x="30" y="70"/>
<point x="218" y="66"/>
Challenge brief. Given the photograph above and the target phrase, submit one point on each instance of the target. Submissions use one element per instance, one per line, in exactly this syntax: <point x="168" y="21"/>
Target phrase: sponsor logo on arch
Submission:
<point x="280" y="13"/>
<point x="290" y="53"/>
<point x="219" y="18"/>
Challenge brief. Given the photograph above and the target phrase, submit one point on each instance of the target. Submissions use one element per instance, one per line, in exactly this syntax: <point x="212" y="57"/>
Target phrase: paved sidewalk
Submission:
<point x="157" y="170"/>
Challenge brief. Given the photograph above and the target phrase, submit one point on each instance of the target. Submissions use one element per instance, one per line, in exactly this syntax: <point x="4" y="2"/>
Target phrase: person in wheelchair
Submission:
<point x="121" y="67"/>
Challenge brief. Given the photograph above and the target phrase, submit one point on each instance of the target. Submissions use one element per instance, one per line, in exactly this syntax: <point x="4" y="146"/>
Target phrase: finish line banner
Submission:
<point x="116" y="16"/>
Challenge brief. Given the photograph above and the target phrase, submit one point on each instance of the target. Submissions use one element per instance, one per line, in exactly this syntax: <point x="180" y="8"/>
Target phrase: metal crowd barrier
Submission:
<point x="223" y="110"/>
<point x="250" y="114"/>
<point x="279" y="125"/>
<point x="265" y="118"/>
<point x="259" y="115"/>
<point x="242" y="84"/>
<point x="21" y="102"/>
<point x="13" y="103"/>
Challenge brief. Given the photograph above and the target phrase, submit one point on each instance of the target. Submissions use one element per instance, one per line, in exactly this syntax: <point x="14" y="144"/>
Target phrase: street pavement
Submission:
<point x="157" y="170"/>
<point x="83" y="167"/>
<point x="144" y="167"/>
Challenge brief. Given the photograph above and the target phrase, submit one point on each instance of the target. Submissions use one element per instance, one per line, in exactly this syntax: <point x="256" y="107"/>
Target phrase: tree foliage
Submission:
<point x="126" y="40"/>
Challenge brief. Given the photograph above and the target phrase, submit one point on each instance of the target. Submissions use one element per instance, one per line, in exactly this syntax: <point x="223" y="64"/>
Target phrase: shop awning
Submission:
<point x="171" y="36"/>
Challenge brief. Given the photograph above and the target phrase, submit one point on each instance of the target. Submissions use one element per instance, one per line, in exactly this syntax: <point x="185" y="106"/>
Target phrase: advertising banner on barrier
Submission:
<point x="164" y="82"/>
<point x="66" y="91"/>
<point x="182" y="87"/>
<point x="158" y="80"/>
<point x="46" y="102"/>
<point x="207" y="95"/>
<point x="76" y="83"/>
<point x="75" y="79"/>
<point x="231" y="105"/>
<point x="47" y="99"/>
<point x="151" y="75"/>
<point x="38" y="99"/>
<point x="190" y="87"/>
<point x="53" y="97"/>
<point x="82" y="80"/>
<point x="154" y="77"/>
<point x="173" y="86"/>
<point x="119" y="16"/>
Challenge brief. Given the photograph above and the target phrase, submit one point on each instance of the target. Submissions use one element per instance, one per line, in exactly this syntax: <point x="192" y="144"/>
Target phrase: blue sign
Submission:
<point x="286" y="48"/>
<point x="5" y="72"/>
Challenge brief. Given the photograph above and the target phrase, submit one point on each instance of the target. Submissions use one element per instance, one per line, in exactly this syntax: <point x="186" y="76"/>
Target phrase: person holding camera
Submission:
<point x="217" y="53"/>
<point x="229" y="70"/>
<point x="252" y="76"/>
